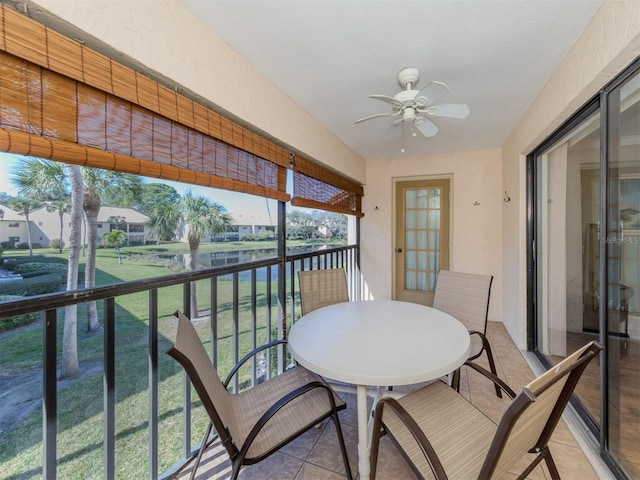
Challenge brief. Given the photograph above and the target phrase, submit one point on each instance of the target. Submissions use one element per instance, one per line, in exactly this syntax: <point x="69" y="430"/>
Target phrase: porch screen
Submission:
<point x="62" y="101"/>
<point x="315" y="186"/>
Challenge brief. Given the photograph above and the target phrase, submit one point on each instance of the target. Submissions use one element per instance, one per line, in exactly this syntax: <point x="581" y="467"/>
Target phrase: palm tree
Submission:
<point x="164" y="219"/>
<point x="115" y="238"/>
<point x="40" y="179"/>
<point x="70" y="366"/>
<point x="201" y="217"/>
<point x="97" y="182"/>
<point x="62" y="206"/>
<point x="25" y="206"/>
<point x="45" y="179"/>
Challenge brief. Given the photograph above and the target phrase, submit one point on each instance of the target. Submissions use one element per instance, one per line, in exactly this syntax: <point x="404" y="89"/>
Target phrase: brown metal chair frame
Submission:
<point x="238" y="453"/>
<point x="486" y="346"/>
<point x="503" y="435"/>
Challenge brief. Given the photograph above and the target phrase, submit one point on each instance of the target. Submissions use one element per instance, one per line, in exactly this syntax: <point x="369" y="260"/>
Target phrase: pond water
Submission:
<point x="206" y="260"/>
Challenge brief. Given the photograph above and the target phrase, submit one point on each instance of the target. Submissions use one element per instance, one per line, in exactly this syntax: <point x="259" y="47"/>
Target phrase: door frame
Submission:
<point x="394" y="209"/>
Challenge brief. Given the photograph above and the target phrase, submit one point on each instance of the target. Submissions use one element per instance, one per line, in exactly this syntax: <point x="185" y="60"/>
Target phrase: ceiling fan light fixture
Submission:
<point x="432" y="110"/>
<point x="409" y="114"/>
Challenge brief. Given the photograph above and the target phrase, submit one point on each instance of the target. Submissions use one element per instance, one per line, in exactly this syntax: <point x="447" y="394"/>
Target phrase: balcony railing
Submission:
<point x="246" y="305"/>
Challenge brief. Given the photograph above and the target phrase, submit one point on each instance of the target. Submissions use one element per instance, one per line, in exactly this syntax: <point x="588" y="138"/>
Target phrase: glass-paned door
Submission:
<point x="422" y="238"/>
<point x="622" y="242"/>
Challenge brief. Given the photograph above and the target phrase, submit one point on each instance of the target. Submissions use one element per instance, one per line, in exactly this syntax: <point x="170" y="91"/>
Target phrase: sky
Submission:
<point x="237" y="204"/>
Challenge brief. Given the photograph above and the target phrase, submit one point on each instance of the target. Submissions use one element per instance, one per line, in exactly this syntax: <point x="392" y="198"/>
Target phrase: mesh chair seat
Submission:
<point x="451" y="421"/>
<point x="300" y="414"/>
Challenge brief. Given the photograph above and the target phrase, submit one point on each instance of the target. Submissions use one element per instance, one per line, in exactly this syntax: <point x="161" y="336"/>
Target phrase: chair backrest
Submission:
<point x="319" y="288"/>
<point x="191" y="354"/>
<point x="532" y="416"/>
<point x="464" y="296"/>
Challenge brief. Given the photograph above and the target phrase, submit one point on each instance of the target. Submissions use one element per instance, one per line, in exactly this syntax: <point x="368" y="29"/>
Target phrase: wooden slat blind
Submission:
<point x="63" y="101"/>
<point x="315" y="186"/>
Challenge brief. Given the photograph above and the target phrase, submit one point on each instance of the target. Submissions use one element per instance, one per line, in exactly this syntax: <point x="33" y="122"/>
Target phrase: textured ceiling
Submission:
<point x="328" y="56"/>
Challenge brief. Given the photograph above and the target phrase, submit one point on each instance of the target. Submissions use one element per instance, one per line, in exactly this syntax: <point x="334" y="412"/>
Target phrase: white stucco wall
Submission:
<point x="608" y="44"/>
<point x="475" y="229"/>
<point x="167" y="38"/>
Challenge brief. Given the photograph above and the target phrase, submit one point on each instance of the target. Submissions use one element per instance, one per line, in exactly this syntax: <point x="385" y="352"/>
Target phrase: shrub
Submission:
<point x="8" y="245"/>
<point x="260" y="236"/>
<point x="11" y="262"/>
<point x="22" y="246"/>
<point x="39" y="267"/>
<point x="55" y="243"/>
<point x="36" y="285"/>
<point x="18" y="320"/>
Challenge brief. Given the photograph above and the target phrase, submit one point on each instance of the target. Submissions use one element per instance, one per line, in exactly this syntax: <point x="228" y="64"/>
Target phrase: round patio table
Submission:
<point x="378" y="343"/>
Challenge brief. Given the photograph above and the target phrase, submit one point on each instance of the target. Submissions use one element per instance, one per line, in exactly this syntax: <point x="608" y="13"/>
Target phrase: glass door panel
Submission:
<point x="623" y="276"/>
<point x="568" y="175"/>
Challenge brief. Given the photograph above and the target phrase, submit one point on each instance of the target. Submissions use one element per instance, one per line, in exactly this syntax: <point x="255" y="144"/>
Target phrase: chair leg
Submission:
<point x="492" y="363"/>
<point x="235" y="470"/>
<point x="343" y="447"/>
<point x="455" y="380"/>
<point x="203" y="447"/>
<point x="551" y="465"/>
<point x="375" y="442"/>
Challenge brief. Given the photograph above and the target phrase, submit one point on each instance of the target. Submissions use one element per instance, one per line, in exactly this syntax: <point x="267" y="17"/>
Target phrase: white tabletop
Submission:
<point x="381" y="342"/>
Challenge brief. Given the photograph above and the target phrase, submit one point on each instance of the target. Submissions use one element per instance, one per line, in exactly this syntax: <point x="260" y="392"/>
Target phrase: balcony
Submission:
<point x="144" y="419"/>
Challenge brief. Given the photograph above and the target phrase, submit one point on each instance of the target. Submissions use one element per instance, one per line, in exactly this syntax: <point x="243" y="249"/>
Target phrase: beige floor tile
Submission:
<point x="313" y="472"/>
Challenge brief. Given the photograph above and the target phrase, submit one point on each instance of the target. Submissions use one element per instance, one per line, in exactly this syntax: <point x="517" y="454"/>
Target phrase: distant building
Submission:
<point x="45" y="226"/>
<point x="13" y="226"/>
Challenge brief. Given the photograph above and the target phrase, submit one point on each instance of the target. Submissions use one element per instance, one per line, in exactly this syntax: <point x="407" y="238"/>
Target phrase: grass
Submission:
<point x="80" y="403"/>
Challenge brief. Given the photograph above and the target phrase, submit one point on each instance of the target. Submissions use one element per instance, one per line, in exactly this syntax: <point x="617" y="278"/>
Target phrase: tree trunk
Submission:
<point x="26" y="216"/>
<point x="61" y="213"/>
<point x="91" y="210"/>
<point x="70" y="366"/>
<point x="194" y="244"/>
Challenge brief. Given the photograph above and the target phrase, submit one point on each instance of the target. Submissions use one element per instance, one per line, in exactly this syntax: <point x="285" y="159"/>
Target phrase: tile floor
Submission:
<point x="316" y="455"/>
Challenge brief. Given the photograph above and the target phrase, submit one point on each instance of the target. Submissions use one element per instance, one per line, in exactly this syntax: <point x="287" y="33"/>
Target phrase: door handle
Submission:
<point x="398" y="250"/>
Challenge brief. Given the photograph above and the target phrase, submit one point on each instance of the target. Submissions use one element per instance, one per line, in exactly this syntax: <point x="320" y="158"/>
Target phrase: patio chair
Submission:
<point x="465" y="296"/>
<point x="319" y="288"/>
<point x="257" y="422"/>
<point x="442" y="435"/>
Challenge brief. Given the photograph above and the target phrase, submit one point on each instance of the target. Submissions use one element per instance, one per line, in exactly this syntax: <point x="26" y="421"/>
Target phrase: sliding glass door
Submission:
<point x="586" y="260"/>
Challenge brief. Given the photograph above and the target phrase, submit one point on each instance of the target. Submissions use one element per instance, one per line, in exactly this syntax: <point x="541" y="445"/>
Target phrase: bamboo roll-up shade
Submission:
<point x="56" y="95"/>
<point x="315" y="186"/>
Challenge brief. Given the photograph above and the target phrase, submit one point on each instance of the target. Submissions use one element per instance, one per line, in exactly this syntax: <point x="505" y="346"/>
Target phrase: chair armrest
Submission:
<point x="494" y="378"/>
<point x="413" y="428"/>
<point x="281" y="403"/>
<point x="249" y="356"/>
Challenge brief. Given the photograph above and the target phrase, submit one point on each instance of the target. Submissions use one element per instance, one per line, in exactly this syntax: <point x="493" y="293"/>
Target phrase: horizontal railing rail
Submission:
<point x="49" y="304"/>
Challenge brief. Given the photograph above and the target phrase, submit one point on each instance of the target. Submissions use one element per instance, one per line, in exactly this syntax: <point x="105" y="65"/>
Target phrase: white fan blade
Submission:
<point x="391" y="127"/>
<point x="433" y="91"/>
<point x="426" y="126"/>
<point x="386" y="99"/>
<point x="453" y="110"/>
<point x="377" y="115"/>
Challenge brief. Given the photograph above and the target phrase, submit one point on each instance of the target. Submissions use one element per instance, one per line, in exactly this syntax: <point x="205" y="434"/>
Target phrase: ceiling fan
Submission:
<point x="415" y="107"/>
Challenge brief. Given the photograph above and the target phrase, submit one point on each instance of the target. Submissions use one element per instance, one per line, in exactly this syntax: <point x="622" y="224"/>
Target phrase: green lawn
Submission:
<point x="80" y="403"/>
